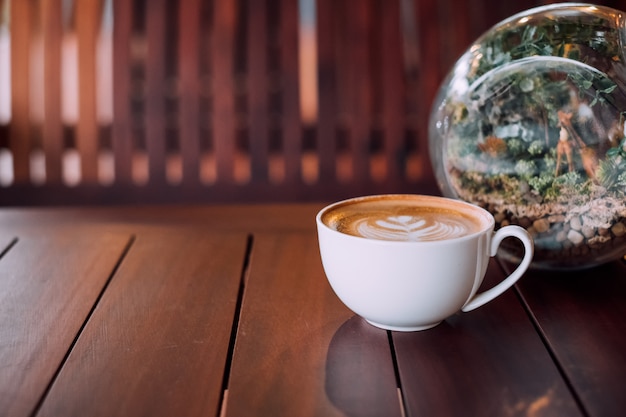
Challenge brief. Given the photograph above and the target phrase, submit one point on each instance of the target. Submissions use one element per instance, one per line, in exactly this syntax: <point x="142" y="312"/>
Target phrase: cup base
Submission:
<point x="403" y="328"/>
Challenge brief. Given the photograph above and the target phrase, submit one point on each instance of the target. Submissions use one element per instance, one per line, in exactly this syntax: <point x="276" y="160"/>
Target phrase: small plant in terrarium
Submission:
<point x="530" y="124"/>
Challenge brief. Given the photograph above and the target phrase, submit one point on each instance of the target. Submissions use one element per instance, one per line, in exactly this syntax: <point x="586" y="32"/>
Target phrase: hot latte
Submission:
<point x="404" y="218"/>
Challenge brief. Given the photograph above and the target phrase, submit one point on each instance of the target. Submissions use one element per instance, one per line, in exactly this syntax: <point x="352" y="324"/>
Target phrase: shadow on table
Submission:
<point x="360" y="376"/>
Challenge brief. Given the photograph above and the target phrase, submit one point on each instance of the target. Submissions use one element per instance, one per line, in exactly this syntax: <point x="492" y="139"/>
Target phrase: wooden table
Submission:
<point x="225" y="311"/>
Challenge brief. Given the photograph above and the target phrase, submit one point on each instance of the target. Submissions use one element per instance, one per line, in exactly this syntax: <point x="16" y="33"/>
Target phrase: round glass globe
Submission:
<point x="529" y="124"/>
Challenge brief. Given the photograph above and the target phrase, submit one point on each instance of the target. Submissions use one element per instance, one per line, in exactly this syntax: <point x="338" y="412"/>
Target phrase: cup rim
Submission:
<point x="488" y="225"/>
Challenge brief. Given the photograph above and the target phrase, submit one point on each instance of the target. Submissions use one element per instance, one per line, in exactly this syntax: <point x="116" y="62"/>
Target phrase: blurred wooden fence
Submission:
<point x="120" y="101"/>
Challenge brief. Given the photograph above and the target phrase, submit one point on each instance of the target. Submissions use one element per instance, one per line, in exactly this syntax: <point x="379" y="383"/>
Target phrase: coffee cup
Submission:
<point x="407" y="262"/>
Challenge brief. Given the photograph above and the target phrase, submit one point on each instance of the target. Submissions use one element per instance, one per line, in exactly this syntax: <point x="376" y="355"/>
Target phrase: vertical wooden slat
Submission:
<point x="291" y="123"/>
<point x="189" y="87"/>
<point x="392" y="77"/>
<point x="327" y="95"/>
<point x="357" y="85"/>
<point x="121" y="130"/>
<point x="155" y="94"/>
<point x="20" y="139"/>
<point x="429" y="72"/>
<point x="258" y="114"/>
<point x="89" y="14"/>
<point x="52" y="134"/>
<point x="223" y="87"/>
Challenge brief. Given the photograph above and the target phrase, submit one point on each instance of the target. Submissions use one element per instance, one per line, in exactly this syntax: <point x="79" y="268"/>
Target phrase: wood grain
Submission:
<point x="298" y="351"/>
<point x="158" y="341"/>
<point x="582" y="315"/>
<point x="49" y="285"/>
<point x="486" y="362"/>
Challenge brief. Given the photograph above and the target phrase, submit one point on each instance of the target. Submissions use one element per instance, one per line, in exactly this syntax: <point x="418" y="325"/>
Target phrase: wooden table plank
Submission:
<point x="488" y="362"/>
<point x="227" y="218"/>
<point x="158" y="341"/>
<point x="298" y="350"/>
<point x="582" y="315"/>
<point x="49" y="285"/>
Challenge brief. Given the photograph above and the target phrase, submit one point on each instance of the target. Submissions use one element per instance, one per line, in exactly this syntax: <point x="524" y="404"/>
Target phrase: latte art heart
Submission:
<point x="410" y="228"/>
<point x="401" y="222"/>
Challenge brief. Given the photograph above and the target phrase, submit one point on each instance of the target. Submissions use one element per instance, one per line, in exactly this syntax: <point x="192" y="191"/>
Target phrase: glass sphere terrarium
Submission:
<point x="529" y="124"/>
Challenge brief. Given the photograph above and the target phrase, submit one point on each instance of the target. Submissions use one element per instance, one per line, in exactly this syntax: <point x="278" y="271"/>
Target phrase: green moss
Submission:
<point x="542" y="182"/>
<point x="525" y="168"/>
<point x="516" y="147"/>
<point x="536" y="148"/>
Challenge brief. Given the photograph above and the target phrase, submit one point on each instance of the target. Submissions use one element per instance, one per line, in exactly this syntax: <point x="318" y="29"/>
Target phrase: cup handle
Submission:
<point x="488" y="295"/>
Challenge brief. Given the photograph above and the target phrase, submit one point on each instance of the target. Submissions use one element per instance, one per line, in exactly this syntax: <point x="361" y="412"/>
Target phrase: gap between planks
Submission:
<point x="396" y="370"/>
<point x="235" y="328"/>
<point x="8" y="247"/>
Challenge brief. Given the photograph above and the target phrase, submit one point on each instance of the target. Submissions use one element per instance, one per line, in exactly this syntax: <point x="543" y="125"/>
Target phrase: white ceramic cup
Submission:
<point x="413" y="281"/>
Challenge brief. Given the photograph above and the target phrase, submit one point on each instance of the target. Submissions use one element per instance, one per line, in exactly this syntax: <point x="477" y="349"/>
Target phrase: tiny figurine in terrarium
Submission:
<point x="530" y="125"/>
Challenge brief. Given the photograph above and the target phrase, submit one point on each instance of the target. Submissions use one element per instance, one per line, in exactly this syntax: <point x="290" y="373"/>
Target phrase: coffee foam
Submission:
<point x="403" y="218"/>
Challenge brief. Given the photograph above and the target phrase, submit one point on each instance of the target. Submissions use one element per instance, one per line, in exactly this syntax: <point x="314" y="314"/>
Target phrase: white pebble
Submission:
<point x="588" y="231"/>
<point x="575" y="237"/>
<point x="576" y="223"/>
